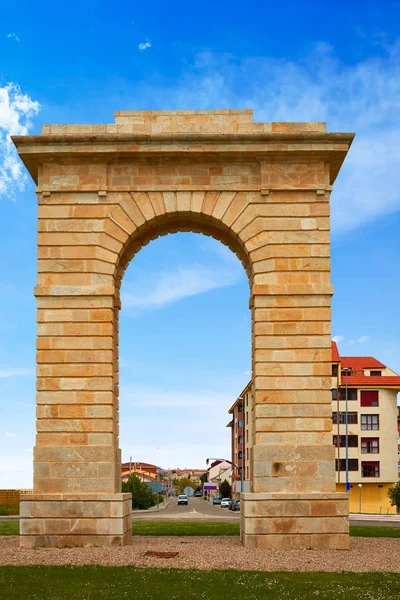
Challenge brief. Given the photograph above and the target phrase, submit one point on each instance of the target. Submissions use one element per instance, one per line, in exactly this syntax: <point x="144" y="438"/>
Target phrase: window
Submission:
<point x="375" y="373"/>
<point x="240" y="454"/>
<point x="240" y="439"/>
<point x="345" y="374"/>
<point x="369" y="445"/>
<point x="353" y="441"/>
<point x="240" y="423"/>
<point x="369" y="469"/>
<point x="370" y="422"/>
<point x="351" y="394"/>
<point x="334" y="394"/>
<point x="369" y="398"/>
<point x="334" y="370"/>
<point x="352" y="418"/>
<point x="353" y="464"/>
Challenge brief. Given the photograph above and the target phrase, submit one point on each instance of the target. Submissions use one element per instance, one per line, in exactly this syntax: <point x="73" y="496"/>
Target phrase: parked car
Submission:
<point x="236" y="506"/>
<point x="232" y="504"/>
<point x="225" y="502"/>
<point x="216" y="500"/>
<point x="183" y="499"/>
<point x="198" y="494"/>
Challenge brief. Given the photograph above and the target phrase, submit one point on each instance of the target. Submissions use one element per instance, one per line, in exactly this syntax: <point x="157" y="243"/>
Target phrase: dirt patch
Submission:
<point x="365" y="554"/>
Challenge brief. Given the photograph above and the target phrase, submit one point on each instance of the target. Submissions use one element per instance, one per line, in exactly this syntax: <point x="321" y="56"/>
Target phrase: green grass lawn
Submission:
<point x="176" y="528"/>
<point x="9" y="510"/>
<point x="9" y="528"/>
<point x="184" y="528"/>
<point x="374" y="531"/>
<point x="112" y="583"/>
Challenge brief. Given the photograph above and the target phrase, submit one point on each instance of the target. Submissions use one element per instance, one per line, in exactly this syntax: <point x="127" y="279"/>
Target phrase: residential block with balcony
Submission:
<point x="373" y="431"/>
<point x="372" y="390"/>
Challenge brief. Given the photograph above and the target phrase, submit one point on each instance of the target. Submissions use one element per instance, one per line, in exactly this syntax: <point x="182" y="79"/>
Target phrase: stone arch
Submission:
<point x="192" y="211"/>
<point x="104" y="191"/>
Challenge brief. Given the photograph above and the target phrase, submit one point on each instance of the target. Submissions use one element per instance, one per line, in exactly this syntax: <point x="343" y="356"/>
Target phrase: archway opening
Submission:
<point x="184" y="357"/>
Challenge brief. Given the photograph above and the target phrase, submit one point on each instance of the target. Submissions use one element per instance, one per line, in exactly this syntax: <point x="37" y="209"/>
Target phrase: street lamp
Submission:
<point x="346" y="370"/>
<point x="360" y="486"/>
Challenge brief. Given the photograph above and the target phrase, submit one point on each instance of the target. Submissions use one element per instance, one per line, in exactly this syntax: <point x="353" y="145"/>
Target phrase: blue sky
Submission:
<point x="185" y="337"/>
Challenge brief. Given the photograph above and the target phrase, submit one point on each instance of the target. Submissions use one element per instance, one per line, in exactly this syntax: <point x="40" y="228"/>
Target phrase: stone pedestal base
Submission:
<point x="291" y="521"/>
<point x="64" y="520"/>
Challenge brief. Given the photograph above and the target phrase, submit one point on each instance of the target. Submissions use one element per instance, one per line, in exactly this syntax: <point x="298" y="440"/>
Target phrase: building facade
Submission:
<point x="192" y="474"/>
<point x="241" y="425"/>
<point x="219" y="471"/>
<point x="373" y="431"/>
<point x="145" y="471"/>
<point x="372" y="390"/>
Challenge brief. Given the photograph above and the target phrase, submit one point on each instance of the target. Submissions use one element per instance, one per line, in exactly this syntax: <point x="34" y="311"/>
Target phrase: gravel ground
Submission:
<point x="365" y="554"/>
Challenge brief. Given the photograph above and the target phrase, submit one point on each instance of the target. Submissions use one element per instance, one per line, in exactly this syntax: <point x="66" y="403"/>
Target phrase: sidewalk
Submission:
<point x="157" y="508"/>
<point x="377" y="517"/>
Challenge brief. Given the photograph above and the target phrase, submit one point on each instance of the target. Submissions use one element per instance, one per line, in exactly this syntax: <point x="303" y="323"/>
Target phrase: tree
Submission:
<point x="184" y="482"/>
<point x="204" y="478"/>
<point x="225" y="489"/>
<point x="394" y="496"/>
<point x="142" y="496"/>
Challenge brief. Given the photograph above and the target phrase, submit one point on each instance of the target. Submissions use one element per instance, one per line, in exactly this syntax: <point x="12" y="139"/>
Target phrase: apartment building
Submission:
<point x="398" y="439"/>
<point x="372" y="390"/>
<point x="241" y="439"/>
<point x="373" y="431"/>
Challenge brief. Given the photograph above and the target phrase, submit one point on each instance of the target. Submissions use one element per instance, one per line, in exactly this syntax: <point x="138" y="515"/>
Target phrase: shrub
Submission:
<point x="394" y="496"/>
<point x="225" y="489"/>
<point x="142" y="496"/>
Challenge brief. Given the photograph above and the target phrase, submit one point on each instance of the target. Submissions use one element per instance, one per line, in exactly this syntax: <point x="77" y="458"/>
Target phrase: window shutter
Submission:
<point x="369" y="398"/>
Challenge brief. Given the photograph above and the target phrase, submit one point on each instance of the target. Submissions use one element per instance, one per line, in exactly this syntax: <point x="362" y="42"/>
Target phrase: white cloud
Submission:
<point x="10" y="434"/>
<point x="13" y="36"/>
<point x="16" y="111"/>
<point x="361" y="340"/>
<point x="144" y="45"/>
<point x="15" y="373"/>
<point x="160" y="289"/>
<point x="363" y="97"/>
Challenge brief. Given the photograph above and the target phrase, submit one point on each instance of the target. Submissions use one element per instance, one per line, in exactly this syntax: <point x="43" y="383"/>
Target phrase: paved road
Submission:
<point x="376" y="520"/>
<point x="198" y="510"/>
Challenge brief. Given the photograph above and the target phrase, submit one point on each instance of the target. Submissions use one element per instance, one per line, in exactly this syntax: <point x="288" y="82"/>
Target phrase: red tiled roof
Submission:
<point x="372" y="382"/>
<point x="335" y="353"/>
<point x="361" y="362"/>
